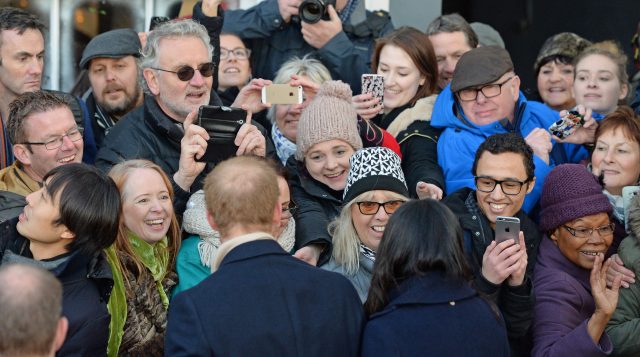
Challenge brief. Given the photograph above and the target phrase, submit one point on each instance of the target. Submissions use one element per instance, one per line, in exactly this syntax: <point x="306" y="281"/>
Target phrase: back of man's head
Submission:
<point x="31" y="322"/>
<point x="242" y="192"/>
<point x="26" y="104"/>
<point x="453" y="23"/>
<point x="12" y="18"/>
<point x="507" y="143"/>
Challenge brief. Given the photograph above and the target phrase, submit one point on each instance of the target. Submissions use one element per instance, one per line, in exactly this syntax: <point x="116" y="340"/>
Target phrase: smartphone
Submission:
<point x="629" y="193"/>
<point x="222" y="124"/>
<point x="374" y="84"/>
<point x="282" y="94"/>
<point x="567" y="124"/>
<point x="507" y="228"/>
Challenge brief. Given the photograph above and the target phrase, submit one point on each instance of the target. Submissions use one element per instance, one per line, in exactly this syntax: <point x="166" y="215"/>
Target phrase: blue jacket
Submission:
<point x="264" y="302"/>
<point x="272" y="42"/>
<point x="461" y="138"/>
<point x="435" y="316"/>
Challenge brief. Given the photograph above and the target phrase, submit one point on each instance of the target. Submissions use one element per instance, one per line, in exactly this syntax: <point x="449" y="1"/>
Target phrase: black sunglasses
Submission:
<point x="185" y="73"/>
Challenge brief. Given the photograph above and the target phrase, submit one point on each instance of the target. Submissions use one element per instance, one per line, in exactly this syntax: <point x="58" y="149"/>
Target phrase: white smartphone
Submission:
<point x="282" y="94"/>
<point x="374" y="84"/>
<point x="629" y="193"/>
<point x="507" y="228"/>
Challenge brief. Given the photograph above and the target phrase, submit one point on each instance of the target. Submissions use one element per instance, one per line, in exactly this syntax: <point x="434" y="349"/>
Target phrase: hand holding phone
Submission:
<point x="567" y="124"/>
<point x="282" y="94"/>
<point x="222" y="124"/>
<point x="507" y="228"/>
<point x="374" y="85"/>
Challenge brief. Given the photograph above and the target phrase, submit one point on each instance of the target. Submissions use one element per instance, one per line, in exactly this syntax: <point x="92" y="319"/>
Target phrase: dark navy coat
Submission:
<point x="435" y="316"/>
<point x="264" y="302"/>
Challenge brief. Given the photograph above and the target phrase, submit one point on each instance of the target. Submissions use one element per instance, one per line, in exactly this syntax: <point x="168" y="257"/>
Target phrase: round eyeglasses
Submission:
<point x="185" y="73"/>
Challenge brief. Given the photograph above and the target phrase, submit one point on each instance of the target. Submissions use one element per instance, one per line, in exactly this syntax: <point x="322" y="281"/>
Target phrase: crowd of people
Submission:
<point x="348" y="224"/>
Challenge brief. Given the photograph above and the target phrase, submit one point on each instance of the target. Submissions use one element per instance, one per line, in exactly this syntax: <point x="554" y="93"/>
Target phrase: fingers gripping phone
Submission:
<point x="507" y="228"/>
<point x="567" y="125"/>
<point x="282" y="94"/>
<point x="374" y="84"/>
<point x="222" y="124"/>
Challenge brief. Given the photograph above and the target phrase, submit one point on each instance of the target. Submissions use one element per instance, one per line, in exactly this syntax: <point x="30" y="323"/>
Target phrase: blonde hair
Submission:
<point x="120" y="174"/>
<point x="345" y="241"/>
<point x="305" y="66"/>
<point x="242" y="191"/>
<point x="613" y="51"/>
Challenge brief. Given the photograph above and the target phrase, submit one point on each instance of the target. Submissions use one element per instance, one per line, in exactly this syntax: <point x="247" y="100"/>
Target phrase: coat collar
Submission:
<point x="251" y="250"/>
<point x="432" y="288"/>
<point x="160" y="121"/>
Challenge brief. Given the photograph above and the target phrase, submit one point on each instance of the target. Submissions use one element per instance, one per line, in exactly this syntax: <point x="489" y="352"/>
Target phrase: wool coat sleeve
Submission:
<point x="185" y="335"/>
<point x="624" y="326"/>
<point x="419" y="147"/>
<point x="559" y="327"/>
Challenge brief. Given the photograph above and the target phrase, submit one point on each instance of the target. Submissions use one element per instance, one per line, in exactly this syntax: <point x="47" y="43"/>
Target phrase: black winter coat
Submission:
<point x="515" y="303"/>
<point x="86" y="286"/>
<point x="317" y="207"/>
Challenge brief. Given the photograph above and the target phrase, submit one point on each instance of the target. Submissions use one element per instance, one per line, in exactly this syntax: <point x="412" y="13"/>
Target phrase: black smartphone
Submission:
<point x="222" y="124"/>
<point x="507" y="228"/>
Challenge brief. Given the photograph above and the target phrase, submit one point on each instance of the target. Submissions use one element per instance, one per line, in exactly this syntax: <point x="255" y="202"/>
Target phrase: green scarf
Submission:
<point x="156" y="259"/>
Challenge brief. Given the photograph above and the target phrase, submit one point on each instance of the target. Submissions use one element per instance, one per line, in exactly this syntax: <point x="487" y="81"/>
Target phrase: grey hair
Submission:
<point x="453" y="23"/>
<point x="305" y="66"/>
<point x="149" y="56"/>
<point x="346" y="243"/>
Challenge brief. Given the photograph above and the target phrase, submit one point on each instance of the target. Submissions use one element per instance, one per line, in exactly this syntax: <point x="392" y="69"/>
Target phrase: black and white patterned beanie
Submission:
<point x="375" y="168"/>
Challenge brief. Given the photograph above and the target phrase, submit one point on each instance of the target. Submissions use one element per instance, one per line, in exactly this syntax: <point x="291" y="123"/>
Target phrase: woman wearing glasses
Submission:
<point x="199" y="250"/>
<point x="234" y="71"/>
<point x="573" y="303"/>
<point x="375" y="189"/>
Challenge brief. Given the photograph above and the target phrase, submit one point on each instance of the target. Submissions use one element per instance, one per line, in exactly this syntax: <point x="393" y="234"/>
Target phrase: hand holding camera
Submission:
<point x="319" y="33"/>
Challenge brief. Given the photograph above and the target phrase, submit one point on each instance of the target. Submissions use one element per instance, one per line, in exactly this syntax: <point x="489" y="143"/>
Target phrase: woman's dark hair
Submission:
<point x="421" y="236"/>
<point x="418" y="47"/>
<point x="89" y="204"/>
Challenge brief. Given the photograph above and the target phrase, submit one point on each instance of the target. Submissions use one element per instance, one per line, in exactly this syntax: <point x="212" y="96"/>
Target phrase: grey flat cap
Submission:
<point x="480" y="66"/>
<point x="111" y="44"/>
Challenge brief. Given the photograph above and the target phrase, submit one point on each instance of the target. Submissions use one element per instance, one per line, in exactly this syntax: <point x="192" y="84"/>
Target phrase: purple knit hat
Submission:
<point x="569" y="192"/>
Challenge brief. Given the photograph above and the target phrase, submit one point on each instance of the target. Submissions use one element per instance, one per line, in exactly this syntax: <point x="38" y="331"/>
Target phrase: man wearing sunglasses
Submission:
<point x="503" y="171"/>
<point x="177" y="65"/>
<point x="44" y="135"/>
<point x="482" y="99"/>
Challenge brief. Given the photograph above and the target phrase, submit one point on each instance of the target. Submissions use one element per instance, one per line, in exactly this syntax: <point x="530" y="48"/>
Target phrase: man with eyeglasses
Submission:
<point x="178" y="69"/>
<point x="22" y="53"/>
<point x="482" y="99"/>
<point x="503" y="171"/>
<point x="44" y="135"/>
